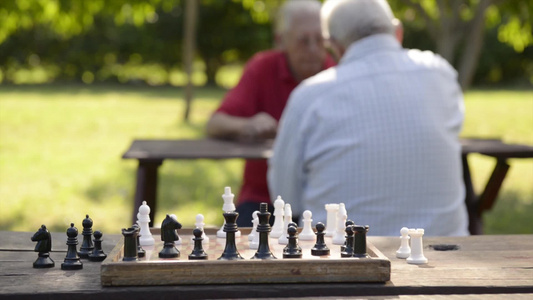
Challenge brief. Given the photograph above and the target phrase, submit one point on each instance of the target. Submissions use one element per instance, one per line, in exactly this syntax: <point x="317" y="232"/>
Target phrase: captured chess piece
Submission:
<point x="263" y="249"/>
<point x="44" y="246"/>
<point x="347" y="248"/>
<point x="417" y="249"/>
<point x="307" y="233"/>
<point x="130" y="244"/>
<point x="360" y="241"/>
<point x="140" y="251"/>
<point x="72" y="260"/>
<point x="404" y="251"/>
<point x="143" y="219"/>
<point x="168" y="236"/>
<point x="320" y="247"/>
<point x="87" y="246"/>
<point x="230" y="228"/>
<point x="97" y="254"/>
<point x="198" y="251"/>
<point x="292" y="250"/>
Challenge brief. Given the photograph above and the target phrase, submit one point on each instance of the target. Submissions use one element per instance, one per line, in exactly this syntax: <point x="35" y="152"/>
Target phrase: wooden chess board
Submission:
<point x="152" y="270"/>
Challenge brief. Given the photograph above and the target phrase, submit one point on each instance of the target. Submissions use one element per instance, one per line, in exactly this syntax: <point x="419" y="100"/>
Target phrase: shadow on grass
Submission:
<point x="512" y="214"/>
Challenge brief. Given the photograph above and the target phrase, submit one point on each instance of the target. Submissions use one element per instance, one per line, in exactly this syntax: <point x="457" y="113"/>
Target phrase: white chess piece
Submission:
<point x="307" y="233"/>
<point x="417" y="249"/>
<point x="200" y="225"/>
<point x="254" y="243"/>
<point x="143" y="218"/>
<point x="331" y="221"/>
<point x="287" y="216"/>
<point x="339" y="234"/>
<point x="278" y="228"/>
<point x="404" y="251"/>
<point x="254" y="226"/>
<point x="227" y="206"/>
<point x="178" y="242"/>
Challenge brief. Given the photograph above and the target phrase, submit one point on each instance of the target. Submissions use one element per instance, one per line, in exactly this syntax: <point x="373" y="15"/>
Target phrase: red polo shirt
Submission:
<point x="265" y="86"/>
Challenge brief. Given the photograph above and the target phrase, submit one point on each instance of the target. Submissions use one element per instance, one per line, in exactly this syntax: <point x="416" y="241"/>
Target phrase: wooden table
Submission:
<point x="152" y="153"/>
<point x="483" y="265"/>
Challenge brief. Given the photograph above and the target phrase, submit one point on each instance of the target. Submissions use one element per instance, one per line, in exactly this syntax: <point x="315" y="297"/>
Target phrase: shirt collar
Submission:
<point x="369" y="45"/>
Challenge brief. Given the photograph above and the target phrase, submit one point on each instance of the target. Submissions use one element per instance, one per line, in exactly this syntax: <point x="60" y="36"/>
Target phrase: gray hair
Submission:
<point x="347" y="21"/>
<point x="292" y="7"/>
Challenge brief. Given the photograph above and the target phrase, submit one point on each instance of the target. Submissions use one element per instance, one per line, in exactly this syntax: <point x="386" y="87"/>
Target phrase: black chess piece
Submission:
<point x="198" y="251"/>
<point x="44" y="246"/>
<point x="263" y="228"/>
<point x="230" y="227"/>
<point x="87" y="246"/>
<point x="360" y="241"/>
<point x="346" y="224"/>
<point x="168" y="236"/>
<point x="320" y="247"/>
<point x="140" y="251"/>
<point x="130" y="244"/>
<point x="72" y="260"/>
<point x="97" y="254"/>
<point x="348" y="248"/>
<point x="292" y="250"/>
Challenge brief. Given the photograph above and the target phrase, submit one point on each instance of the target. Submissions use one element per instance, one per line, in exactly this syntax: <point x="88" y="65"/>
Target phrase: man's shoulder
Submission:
<point x="430" y="60"/>
<point x="266" y="58"/>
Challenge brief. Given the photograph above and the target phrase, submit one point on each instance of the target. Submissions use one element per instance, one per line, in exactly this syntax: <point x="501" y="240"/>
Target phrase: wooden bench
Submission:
<point x="152" y="153"/>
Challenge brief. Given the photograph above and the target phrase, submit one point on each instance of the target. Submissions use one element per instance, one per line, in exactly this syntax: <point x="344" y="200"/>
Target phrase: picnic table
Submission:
<point x="481" y="267"/>
<point x="152" y="153"/>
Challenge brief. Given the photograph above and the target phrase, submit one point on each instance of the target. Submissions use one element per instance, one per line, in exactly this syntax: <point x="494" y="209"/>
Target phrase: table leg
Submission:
<point x="475" y="222"/>
<point x="146" y="187"/>
<point x="488" y="197"/>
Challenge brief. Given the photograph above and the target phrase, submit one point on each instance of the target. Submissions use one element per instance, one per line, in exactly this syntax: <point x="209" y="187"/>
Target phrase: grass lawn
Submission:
<point x="61" y="147"/>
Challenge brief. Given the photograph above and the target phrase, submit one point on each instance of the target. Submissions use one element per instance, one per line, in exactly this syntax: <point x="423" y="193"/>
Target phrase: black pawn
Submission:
<point x="87" y="246"/>
<point x="140" y="250"/>
<point x="346" y="224"/>
<point x="348" y="248"/>
<point x="263" y="249"/>
<point x="320" y="247"/>
<point x="130" y="244"/>
<point x="230" y="227"/>
<point x="97" y="254"/>
<point x="198" y="251"/>
<point x="44" y="246"/>
<point x="360" y="241"/>
<point x="292" y="250"/>
<point x="72" y="260"/>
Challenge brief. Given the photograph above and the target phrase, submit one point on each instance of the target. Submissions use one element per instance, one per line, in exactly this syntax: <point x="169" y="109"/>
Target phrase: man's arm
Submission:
<point x="260" y="126"/>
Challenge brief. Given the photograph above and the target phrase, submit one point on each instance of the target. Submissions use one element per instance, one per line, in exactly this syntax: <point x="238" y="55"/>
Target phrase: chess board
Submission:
<point x="152" y="270"/>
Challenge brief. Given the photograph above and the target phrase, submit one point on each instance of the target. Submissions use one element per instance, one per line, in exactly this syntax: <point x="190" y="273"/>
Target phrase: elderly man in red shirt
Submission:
<point x="253" y="108"/>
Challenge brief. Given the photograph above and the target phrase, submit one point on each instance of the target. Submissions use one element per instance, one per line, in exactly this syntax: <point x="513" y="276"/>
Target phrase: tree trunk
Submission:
<point x="191" y="12"/>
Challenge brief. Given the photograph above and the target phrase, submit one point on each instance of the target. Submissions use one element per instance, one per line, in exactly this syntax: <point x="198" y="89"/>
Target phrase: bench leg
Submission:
<point x="488" y="197"/>
<point x="475" y="222"/>
<point x="146" y="187"/>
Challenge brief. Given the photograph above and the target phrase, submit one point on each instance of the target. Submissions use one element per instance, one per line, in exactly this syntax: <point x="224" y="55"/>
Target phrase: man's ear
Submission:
<point x="398" y="30"/>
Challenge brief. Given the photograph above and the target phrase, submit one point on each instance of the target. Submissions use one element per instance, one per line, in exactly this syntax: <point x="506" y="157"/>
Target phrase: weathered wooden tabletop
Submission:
<point x="482" y="265"/>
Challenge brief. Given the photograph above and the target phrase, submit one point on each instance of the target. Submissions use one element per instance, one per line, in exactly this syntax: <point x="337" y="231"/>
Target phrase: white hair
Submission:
<point x="293" y="7"/>
<point x="347" y="21"/>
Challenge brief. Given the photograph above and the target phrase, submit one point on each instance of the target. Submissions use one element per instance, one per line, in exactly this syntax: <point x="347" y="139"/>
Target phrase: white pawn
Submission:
<point x="178" y="242"/>
<point x="200" y="225"/>
<point x="331" y="221"/>
<point x="287" y="216"/>
<point x="417" y="249"/>
<point x="254" y="226"/>
<point x="278" y="228"/>
<point x="404" y="251"/>
<point x="339" y="234"/>
<point x="254" y="243"/>
<point x="227" y="206"/>
<point x="307" y="233"/>
<point x="143" y="218"/>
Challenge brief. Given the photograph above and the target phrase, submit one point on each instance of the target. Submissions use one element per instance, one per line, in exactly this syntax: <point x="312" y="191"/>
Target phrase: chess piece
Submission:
<point x="287" y="219"/>
<point x="143" y="219"/>
<point x="417" y="249"/>
<point x="253" y="232"/>
<point x="72" y="260"/>
<point x="178" y="241"/>
<point x="87" y="246"/>
<point x="130" y="244"/>
<point x="200" y="225"/>
<point x="360" y="241"/>
<point x="198" y="251"/>
<point x="348" y="250"/>
<point x="278" y="228"/>
<point x="338" y="235"/>
<point x="404" y="251"/>
<point x="307" y="233"/>
<point x="230" y="228"/>
<point x="254" y="243"/>
<point x="97" y="254"/>
<point x="44" y="246"/>
<point x="227" y="206"/>
<point x="331" y="221"/>
<point x="292" y="250"/>
<point x="346" y="224"/>
<point x="168" y="236"/>
<point x="140" y="251"/>
<point x="320" y="247"/>
<point x="263" y="249"/>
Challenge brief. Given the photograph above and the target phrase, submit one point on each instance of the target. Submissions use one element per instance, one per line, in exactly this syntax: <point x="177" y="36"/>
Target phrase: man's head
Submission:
<point x="299" y="34"/>
<point x="347" y="21"/>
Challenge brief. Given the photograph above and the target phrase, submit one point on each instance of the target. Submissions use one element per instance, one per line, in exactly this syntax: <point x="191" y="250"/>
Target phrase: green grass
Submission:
<point x="61" y="147"/>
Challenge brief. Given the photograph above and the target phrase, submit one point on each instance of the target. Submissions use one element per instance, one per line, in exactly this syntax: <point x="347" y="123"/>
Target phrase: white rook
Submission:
<point x="331" y="222"/>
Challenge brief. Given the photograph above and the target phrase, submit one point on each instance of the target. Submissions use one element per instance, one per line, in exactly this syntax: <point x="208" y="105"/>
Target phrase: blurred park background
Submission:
<point x="80" y="79"/>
